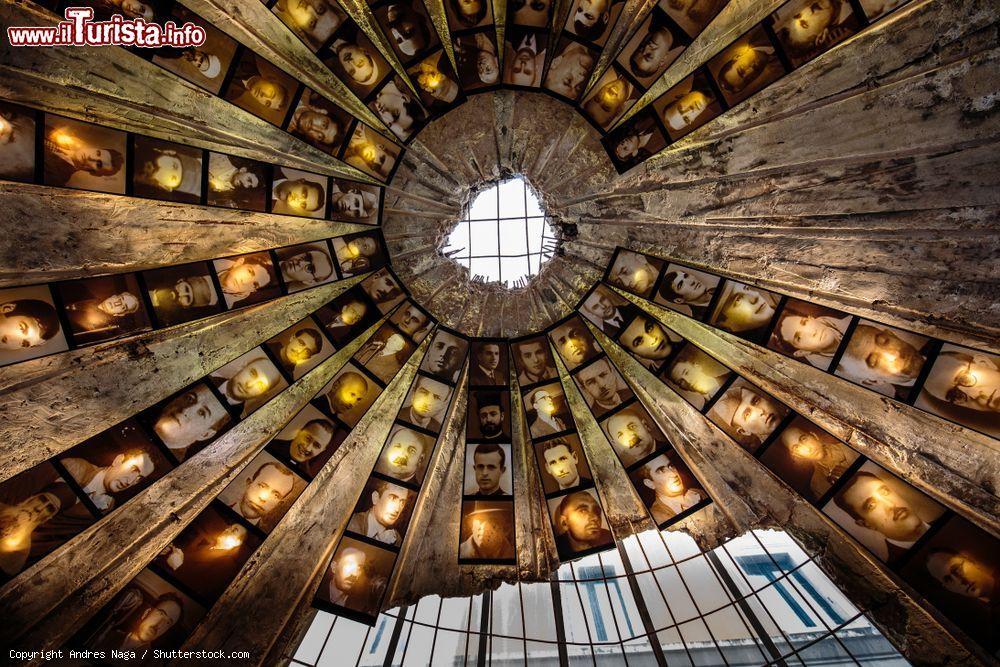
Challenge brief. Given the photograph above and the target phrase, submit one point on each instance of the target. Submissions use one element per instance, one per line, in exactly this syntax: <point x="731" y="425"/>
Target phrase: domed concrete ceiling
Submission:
<point x="351" y="304"/>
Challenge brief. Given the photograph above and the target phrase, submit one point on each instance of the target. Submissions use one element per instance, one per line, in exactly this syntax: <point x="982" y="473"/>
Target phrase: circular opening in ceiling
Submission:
<point x="503" y="236"/>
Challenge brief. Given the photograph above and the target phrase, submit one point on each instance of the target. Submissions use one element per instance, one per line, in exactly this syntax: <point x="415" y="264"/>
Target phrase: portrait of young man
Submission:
<point x="487" y="532"/>
<point x="103" y="308"/>
<point x="405" y="455"/>
<point x="489" y="364"/>
<point x="649" y="341"/>
<point x="426" y="404"/>
<point x="657" y="43"/>
<point x="319" y="122"/>
<point x="399" y="108"/>
<point x="667" y="487"/>
<point x="695" y="375"/>
<point x="383" y="512"/>
<point x="883" y="358"/>
<point x="166" y="170"/>
<point x="385" y="352"/>
<point x="445" y="355"/>
<point x="348" y="315"/>
<point x="305" y="265"/>
<point x="476" y="57"/>
<point x="687" y="291"/>
<point x="808" y="459"/>
<point x="744" y="310"/>
<point x="248" y="381"/>
<point x="357" y="577"/>
<point x="634" y="273"/>
<point x="882" y="512"/>
<point x="358" y="253"/>
<point x="607" y="310"/>
<point x="308" y="441"/>
<point x="809" y="332"/>
<point x="237" y="182"/>
<point x="29" y="324"/>
<point x="488" y="416"/>
<point x="187" y="421"/>
<point x="633" y="434"/>
<point x="807" y="28"/>
<point x="683" y="109"/>
<point x="412" y="321"/>
<point x="590" y="20"/>
<point x="300" y="348"/>
<point x="547" y="410"/>
<point x="182" y="293"/>
<point x="314" y="21"/>
<point x="354" y="202"/>
<point x="488" y="470"/>
<point x="263" y="491"/>
<point x="574" y="343"/>
<point x="349" y="395"/>
<point x="370" y="152"/>
<point x="81" y="155"/>
<point x="746" y="66"/>
<point x="964" y="386"/>
<point x="114" y="465"/>
<point x="635" y="141"/>
<point x="247" y="279"/>
<point x="296" y="192"/>
<point x="261" y="88"/>
<point x="579" y="523"/>
<point x="355" y="60"/>
<point x="524" y="57"/>
<point x="610" y="98"/>
<point x="383" y="289"/>
<point x="602" y="387"/>
<point x="204" y="66"/>
<point x="533" y="361"/>
<point x="563" y="463"/>
<point x="570" y="70"/>
<point x="747" y="414"/>
<point x="17" y="143"/>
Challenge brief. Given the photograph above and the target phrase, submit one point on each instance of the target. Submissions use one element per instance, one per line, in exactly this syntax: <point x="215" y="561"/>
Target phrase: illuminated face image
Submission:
<point x="166" y="171"/>
<point x="127" y="470"/>
<point x="318" y="127"/>
<point x="244" y="277"/>
<point x="443" y="353"/>
<point x="383" y="288"/>
<point x="600" y="306"/>
<point x="308" y="268"/>
<point x="230" y="538"/>
<point x="429" y="398"/>
<point x="490" y="420"/>
<point x="311" y="440"/>
<point x="745" y="308"/>
<point x="756" y="415"/>
<point x="157" y="620"/>
<point x="487" y="532"/>
<point x="358" y="63"/>
<point x="410" y="320"/>
<point x="809" y="334"/>
<point x="488" y="356"/>
<point x="487" y="67"/>
<point x="878" y="503"/>
<point x="353" y="203"/>
<point x="523" y="68"/>
<point x="348" y="391"/>
<point x="966" y="379"/>
<point x="653" y="53"/>
<point x="349" y="570"/>
<point x="265" y="490"/>
<point x="745" y="65"/>
<point x="300" y="195"/>
<point x="803" y="444"/>
<point x="389" y="505"/>
<point x="963" y="575"/>
<point x="192" y="417"/>
<point x="27" y="515"/>
<point x="301" y="346"/>
<point x="696" y="372"/>
<point x="581" y="517"/>
<point x="364" y="246"/>
<point x="562" y="464"/>
<point x="589" y="12"/>
<point x="609" y="100"/>
<point x="404" y="454"/>
<point x="268" y="93"/>
<point x="682" y="112"/>
<point x="573" y="344"/>
<point x="488" y="467"/>
<point x="633" y="272"/>
<point x="664" y="478"/>
<point x="352" y="312"/>
<point x="194" y="291"/>
<point x="647" y="339"/>
<point x="600" y="383"/>
<point x="119" y="305"/>
<point x="253" y="380"/>
<point x="534" y="357"/>
<point x="544" y="402"/>
<point x="393" y="109"/>
<point x="631" y="431"/>
<point x="313" y="17"/>
<point x="569" y="72"/>
<point x="877" y="354"/>
<point x="811" y="20"/>
<point x="21" y="326"/>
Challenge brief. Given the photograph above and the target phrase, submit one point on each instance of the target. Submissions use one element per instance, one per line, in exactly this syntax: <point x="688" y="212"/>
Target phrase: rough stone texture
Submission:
<point x="47" y="603"/>
<point x="47" y="405"/>
<point x="110" y="86"/>
<point x="92" y="233"/>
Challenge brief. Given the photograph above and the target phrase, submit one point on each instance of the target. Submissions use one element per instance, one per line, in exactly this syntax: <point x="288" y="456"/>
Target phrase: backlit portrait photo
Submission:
<point x="634" y="273"/>
<point x="166" y="170"/>
<point x="547" y="410"/>
<point x="182" y="293"/>
<point x="353" y="202"/>
<point x="319" y="122"/>
<point x="633" y="434"/>
<point x="638" y="139"/>
<point x="204" y="66"/>
<point x="187" y="421"/>
<point x="610" y="98"/>
<point x="435" y="81"/>
<point x="533" y="361"/>
<point x="524" y="57"/>
<point x="649" y="342"/>
<point x="383" y="288"/>
<point x="383" y="512"/>
<point x="653" y="47"/>
<point x="445" y="356"/>
<point x="314" y="21"/>
<point x="295" y="192"/>
<point x="349" y="394"/>
<point x="300" y="348"/>
<point x="488" y="365"/>
<point x="591" y="20"/>
<point x="574" y="343"/>
<point x="488" y="470"/>
<point x="305" y="265"/>
<point x="249" y="381"/>
<point x="487" y="532"/>
<point x="883" y="358"/>
<point x="356" y="61"/>
<point x="693" y="15"/>
<point x="357" y="577"/>
<point x="348" y="315"/>
<point x="746" y="66"/>
<point x="488" y="416"/>
<point x="667" y="487"/>
<point x="426" y="404"/>
<point x="476" y="55"/>
<point x="563" y="463"/>
<point x="964" y="386"/>
<point x="409" y="29"/>
<point x="687" y="291"/>
<point x="405" y="455"/>
<point x="358" y="253"/>
<point x="744" y="310"/>
<point x="809" y="332"/>
<point x="695" y="375"/>
<point x="237" y="182"/>
<point x="370" y="152"/>
<point x="687" y="106"/>
<point x="747" y="414"/>
<point x="412" y="321"/>
<point x="807" y="28"/>
<point x="602" y="386"/>
<point x="607" y="310"/>
<point x="29" y="324"/>
<point x="247" y="279"/>
<point x="81" y="155"/>
<point x="385" y="352"/>
<point x="465" y="14"/>
<point x="579" y="523"/>
<point x="399" y="109"/>
<point x="570" y="69"/>
<point x="261" y="88"/>
<point x="263" y="491"/>
<point x="100" y="309"/>
<point x="308" y="441"/>
<point x="807" y="458"/>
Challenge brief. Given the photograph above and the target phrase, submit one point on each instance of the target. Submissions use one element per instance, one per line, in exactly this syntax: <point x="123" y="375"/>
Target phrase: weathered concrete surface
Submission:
<point x="110" y="86"/>
<point x="48" y="405"/>
<point x="92" y="233"/>
<point x="47" y="603"/>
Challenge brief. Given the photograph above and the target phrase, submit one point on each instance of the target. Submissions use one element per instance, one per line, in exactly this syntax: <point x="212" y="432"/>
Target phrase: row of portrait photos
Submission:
<point x="795" y="33"/>
<point x="356" y="579"/>
<point x="38" y="320"/>
<point x="43" y="148"/>
<point x="957" y="383"/>
<point x="947" y="558"/>
<point x="160" y="607"/>
<point x="55" y="500"/>
<point x="223" y="67"/>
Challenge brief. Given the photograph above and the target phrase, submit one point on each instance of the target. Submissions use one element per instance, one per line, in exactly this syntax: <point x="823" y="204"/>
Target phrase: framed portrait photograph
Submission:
<point x="412" y="320"/>
<point x="426" y="403"/>
<point x="807" y="28"/>
<point x="248" y="279"/>
<point x="667" y="488"/>
<point x="358" y="253"/>
<point x="658" y="43"/>
<point x="347" y="316"/>
<point x="570" y="69"/>
<point x="305" y="265"/>
<point x="686" y="290"/>
<point x="882" y="512"/>
<point x="300" y="348"/>
<point x="648" y="341"/>
<point x="746" y="66"/>
<point x="399" y="108"/>
<point x="579" y="524"/>
<point x="524" y="56"/>
<point x="166" y="170"/>
<point x="531" y="13"/>
<point x="370" y="152"/>
<point x="29" y="324"/>
<point x="809" y="332"/>
<point x="205" y="66"/>
<point x="695" y="375"/>
<point x="634" y="272"/>
<point x="354" y="202"/>
<point x="349" y="394"/>
<point x="964" y="386"/>
<point x="488" y="416"/>
<point x="574" y="343"/>
<point x="476" y="58"/>
<point x="208" y="554"/>
<point x="638" y="139"/>
<point x="114" y="465"/>
<point x="693" y="15"/>
<point x="533" y="361"/>
<point x="319" y="122"/>
<point x="39" y="512"/>
<point x="436" y="82"/>
<point x="607" y="310"/>
<point x="487" y="533"/>
<point x="408" y="28"/>
<point x="687" y="106"/>
<point x="260" y="88"/>
<point x="383" y="288"/>
<point x="187" y="421"/>
<point x="356" y="578"/>
<point x="563" y="463"/>
<point x="445" y="355"/>
<point x="314" y="21"/>
<point x="296" y="192"/>
<point x="488" y="470"/>
<point x="104" y="308"/>
<point x="405" y="455"/>
<point x="385" y="352"/>
<point x="467" y="14"/>
<point x="355" y="60"/>
<point x="263" y="492"/>
<point x="547" y="410"/>
<point x="248" y="382"/>
<point x="591" y="20"/>
<point x="747" y="414"/>
<point x="807" y="458"/>
<point x="633" y="434"/>
<point x="744" y="310"/>
<point x="883" y="358"/>
<point x="308" y="441"/>
<point x="383" y="512"/>
<point x="148" y="613"/>
<point x="488" y="366"/>
<point x="237" y="182"/>
<point x="613" y="94"/>
<point x="603" y="387"/>
<point x="82" y="155"/>
<point x="182" y="293"/>
<point x="17" y="143"/>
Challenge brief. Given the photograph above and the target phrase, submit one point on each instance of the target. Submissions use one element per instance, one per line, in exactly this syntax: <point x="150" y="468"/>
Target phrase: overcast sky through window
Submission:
<point x="504" y="236"/>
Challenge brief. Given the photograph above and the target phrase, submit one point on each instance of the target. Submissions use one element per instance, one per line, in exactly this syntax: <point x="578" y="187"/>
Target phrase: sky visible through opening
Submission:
<point x="504" y="236"/>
